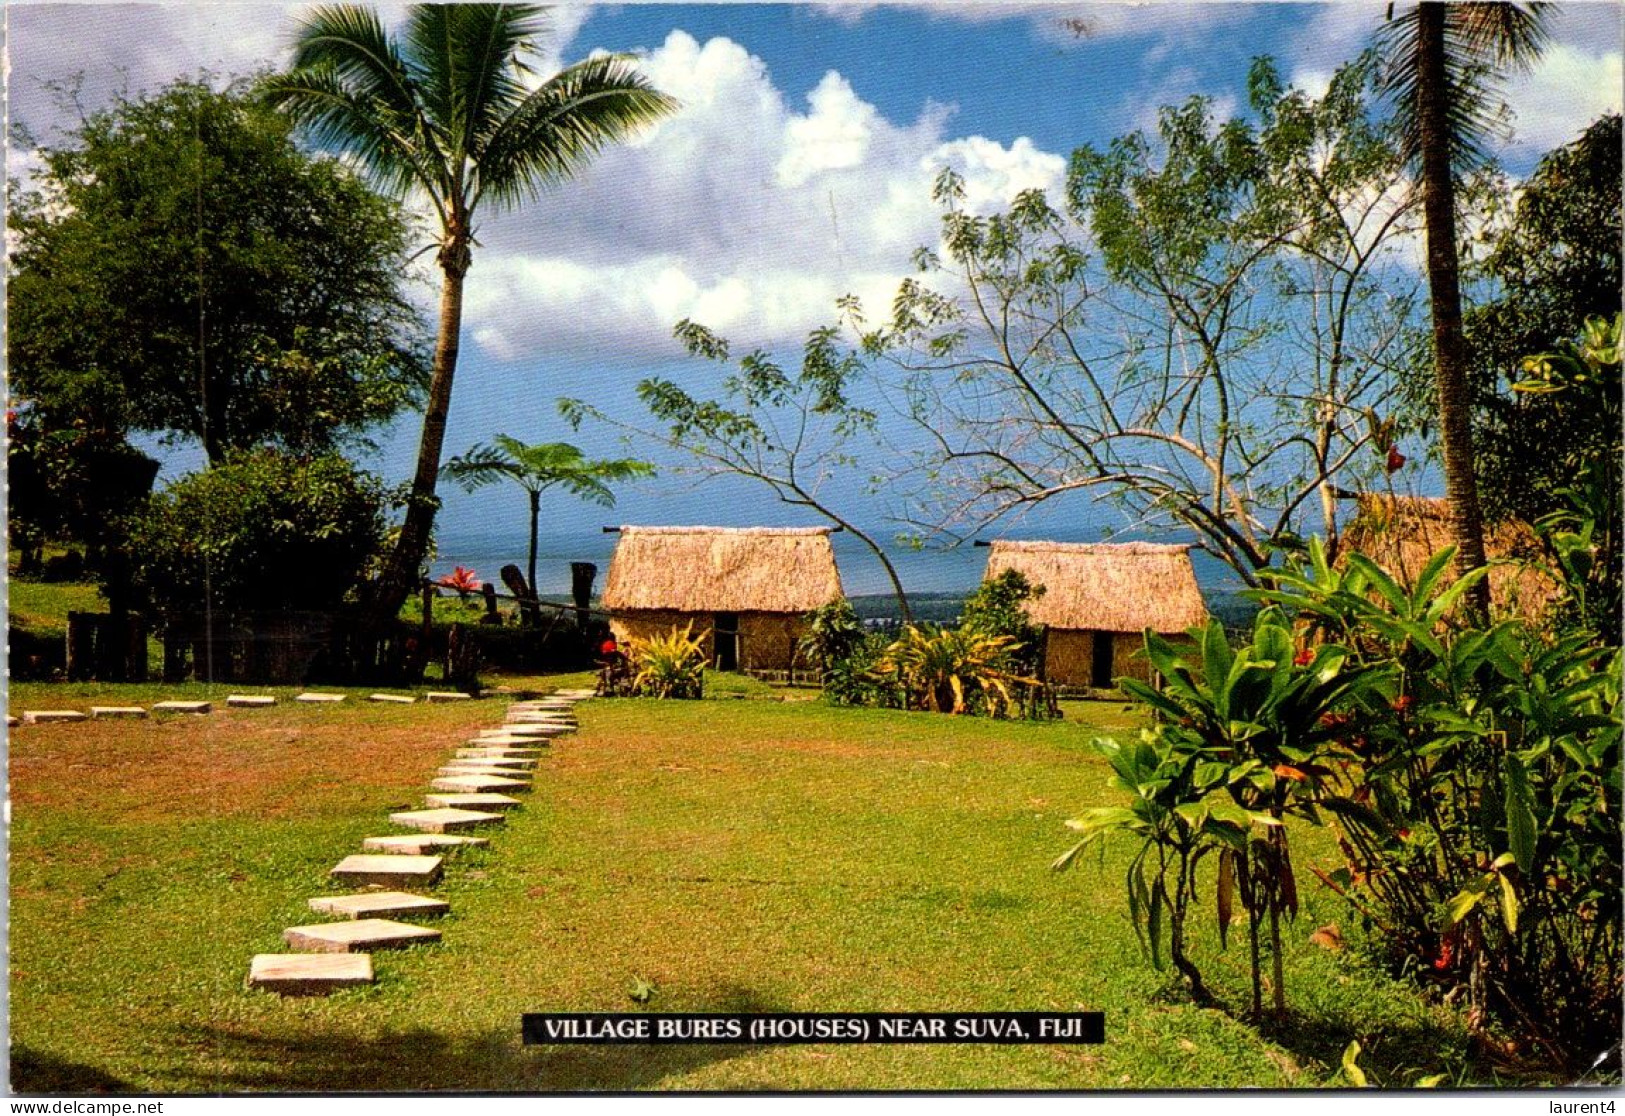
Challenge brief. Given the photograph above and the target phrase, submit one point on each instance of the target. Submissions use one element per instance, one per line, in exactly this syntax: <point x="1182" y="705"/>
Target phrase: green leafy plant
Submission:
<point x="944" y="670"/>
<point x="668" y="666"/>
<point x="1478" y="799"/>
<point x="834" y="633"/>
<point x="998" y="608"/>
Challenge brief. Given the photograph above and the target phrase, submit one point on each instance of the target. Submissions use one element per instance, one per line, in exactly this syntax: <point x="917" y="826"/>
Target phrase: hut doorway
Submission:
<point x="1100" y="662"/>
<point x="725" y="640"/>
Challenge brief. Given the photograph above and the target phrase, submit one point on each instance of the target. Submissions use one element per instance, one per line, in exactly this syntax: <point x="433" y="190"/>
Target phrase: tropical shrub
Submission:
<point x="1477" y="800"/>
<point x="854" y="680"/>
<point x="997" y="609"/>
<point x="1242" y="739"/>
<point x="945" y="670"/>
<point x="265" y="531"/>
<point x="834" y="634"/>
<point x="668" y="666"/>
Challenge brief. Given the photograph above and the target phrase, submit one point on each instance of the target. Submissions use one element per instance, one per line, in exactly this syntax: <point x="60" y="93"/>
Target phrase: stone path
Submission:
<point x="234" y="701"/>
<point x="328" y="956"/>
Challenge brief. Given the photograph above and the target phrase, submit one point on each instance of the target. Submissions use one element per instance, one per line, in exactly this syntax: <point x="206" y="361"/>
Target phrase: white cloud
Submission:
<point x="741" y="212"/>
<point x="1569" y="88"/>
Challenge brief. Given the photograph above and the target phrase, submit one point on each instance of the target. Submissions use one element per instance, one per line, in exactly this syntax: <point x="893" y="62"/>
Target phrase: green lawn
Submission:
<point x="737" y="854"/>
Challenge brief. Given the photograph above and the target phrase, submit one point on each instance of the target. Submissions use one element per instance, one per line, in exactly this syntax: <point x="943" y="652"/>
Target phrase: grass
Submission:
<point x="751" y="854"/>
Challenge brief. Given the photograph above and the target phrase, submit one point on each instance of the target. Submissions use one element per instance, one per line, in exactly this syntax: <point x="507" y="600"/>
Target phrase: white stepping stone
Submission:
<point x="398" y="699"/>
<point x="421" y="844"/>
<point x="541" y="717"/>
<point x="12" y="722"/>
<point x="456" y="801"/>
<point x="500" y="752"/>
<point x="474" y="784"/>
<point x="538" y="730"/>
<point x="493" y="762"/>
<point x="47" y="716"/>
<point x="575" y="695"/>
<point x="447" y="820"/>
<point x="250" y="701"/>
<point x="379" y="904"/>
<point x="108" y="712"/>
<point x="183" y="707"/>
<point x="452" y="771"/>
<point x="309" y="974"/>
<point x="362" y="935"/>
<point x="320" y="698"/>
<point x="447" y="695"/>
<point x="375" y="870"/>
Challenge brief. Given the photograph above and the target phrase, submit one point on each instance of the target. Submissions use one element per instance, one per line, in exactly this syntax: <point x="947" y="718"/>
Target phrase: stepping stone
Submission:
<point x="520" y="744"/>
<point x="398" y="699"/>
<point x="386" y="871"/>
<point x="471" y="802"/>
<point x="379" y="904"/>
<point x="46" y="716"/>
<point x="537" y="730"/>
<point x="447" y="695"/>
<point x="12" y="722"/>
<point x="183" y="707"/>
<point x="445" y="820"/>
<point x="320" y="697"/>
<point x="453" y="771"/>
<point x="105" y="712"/>
<point x="421" y="844"/>
<point x="474" y="784"/>
<point x="359" y="936"/>
<point x="540" y="717"/>
<point x="493" y="762"/>
<point x="499" y="752"/>
<point x="575" y="695"/>
<point x="309" y="974"/>
<point x="250" y="701"/>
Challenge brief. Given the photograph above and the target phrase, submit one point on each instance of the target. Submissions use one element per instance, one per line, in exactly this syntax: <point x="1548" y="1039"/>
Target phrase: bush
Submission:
<point x="263" y="532"/>
<point x="834" y="634"/>
<point x="853" y="680"/>
<point x="997" y="609"/>
<point x="953" y="671"/>
<point x="668" y="666"/>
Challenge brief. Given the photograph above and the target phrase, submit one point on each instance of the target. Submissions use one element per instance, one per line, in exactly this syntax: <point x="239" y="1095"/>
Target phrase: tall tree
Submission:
<point x="181" y="267"/>
<point x="448" y="112"/>
<point x="538" y="468"/>
<point x="1439" y="62"/>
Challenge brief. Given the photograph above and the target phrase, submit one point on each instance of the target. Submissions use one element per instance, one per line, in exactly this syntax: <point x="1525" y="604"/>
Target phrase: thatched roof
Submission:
<point x="1400" y="534"/>
<point x="722" y="569"/>
<point x="1111" y="587"/>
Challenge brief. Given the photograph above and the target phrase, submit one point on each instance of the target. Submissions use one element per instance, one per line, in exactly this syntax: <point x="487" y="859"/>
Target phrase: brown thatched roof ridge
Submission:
<point x="722" y="569"/>
<point x="1111" y="587"/>
<point x="1400" y="534"/>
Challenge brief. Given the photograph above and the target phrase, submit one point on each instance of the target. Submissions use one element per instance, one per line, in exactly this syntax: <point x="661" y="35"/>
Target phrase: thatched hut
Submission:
<point x="1099" y="598"/>
<point x="1401" y="533"/>
<point x="745" y="590"/>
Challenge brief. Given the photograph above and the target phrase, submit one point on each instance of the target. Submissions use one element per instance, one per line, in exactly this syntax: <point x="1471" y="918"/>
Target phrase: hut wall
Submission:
<point x="1069" y="657"/>
<point x="767" y="640"/>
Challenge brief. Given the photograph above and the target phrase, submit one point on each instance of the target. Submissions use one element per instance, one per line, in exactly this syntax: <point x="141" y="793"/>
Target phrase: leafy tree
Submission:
<point x="447" y="112"/>
<point x="260" y="532"/>
<point x="183" y="268"/>
<point x="1439" y="61"/>
<point x="1553" y="266"/>
<point x="1207" y="336"/>
<point x="540" y="467"/>
<point x="788" y="431"/>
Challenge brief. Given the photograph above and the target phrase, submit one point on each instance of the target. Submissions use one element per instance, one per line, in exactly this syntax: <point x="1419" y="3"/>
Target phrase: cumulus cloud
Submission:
<point x="744" y="211"/>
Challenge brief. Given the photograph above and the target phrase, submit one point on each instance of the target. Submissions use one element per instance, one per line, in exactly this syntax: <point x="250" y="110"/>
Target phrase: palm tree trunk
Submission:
<point x="1444" y="290"/>
<point x="402" y="569"/>
<point x="535" y="515"/>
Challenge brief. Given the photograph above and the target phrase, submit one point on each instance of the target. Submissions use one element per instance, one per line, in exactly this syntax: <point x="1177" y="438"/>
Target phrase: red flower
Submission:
<point x="1403" y="703"/>
<point x="1396" y="460"/>
<point x="1303" y="658"/>
<point x="461" y="579"/>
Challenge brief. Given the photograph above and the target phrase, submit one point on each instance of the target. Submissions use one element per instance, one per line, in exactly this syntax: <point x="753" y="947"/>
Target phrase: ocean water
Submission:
<point x="936" y="571"/>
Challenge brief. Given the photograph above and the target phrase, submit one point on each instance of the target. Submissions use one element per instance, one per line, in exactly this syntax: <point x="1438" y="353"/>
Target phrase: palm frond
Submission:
<point x="465" y="58"/>
<point x="562" y="124"/>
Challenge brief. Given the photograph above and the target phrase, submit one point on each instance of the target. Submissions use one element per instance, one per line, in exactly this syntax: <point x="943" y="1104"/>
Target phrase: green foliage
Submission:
<point x="668" y="666"/>
<point x="954" y="670"/>
<point x="1478" y="799"/>
<point x="834" y="634"/>
<point x="997" y="609"/>
<point x="185" y="234"/>
<point x="262" y="532"/>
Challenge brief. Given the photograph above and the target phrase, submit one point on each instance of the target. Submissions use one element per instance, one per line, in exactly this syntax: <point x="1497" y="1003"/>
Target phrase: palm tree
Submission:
<point x="538" y="468"/>
<point x="448" y="112"/>
<point x="1438" y="63"/>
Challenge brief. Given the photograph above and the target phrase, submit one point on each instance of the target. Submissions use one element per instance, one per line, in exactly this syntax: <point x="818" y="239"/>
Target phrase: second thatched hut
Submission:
<point x="745" y="590"/>
<point x="1099" y="598"/>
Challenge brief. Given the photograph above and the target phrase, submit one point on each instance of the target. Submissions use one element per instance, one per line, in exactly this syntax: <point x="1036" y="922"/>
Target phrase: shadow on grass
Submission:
<point x="1396" y="1057"/>
<point x="33" y="1072"/>
<point x="421" y="1059"/>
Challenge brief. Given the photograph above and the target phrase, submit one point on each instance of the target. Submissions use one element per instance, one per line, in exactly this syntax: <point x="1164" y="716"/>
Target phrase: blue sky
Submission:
<point x="798" y="170"/>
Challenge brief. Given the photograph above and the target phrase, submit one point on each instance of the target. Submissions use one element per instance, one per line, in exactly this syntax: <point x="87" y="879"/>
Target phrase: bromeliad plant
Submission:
<point x="945" y="670"/>
<point x="668" y="666"/>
